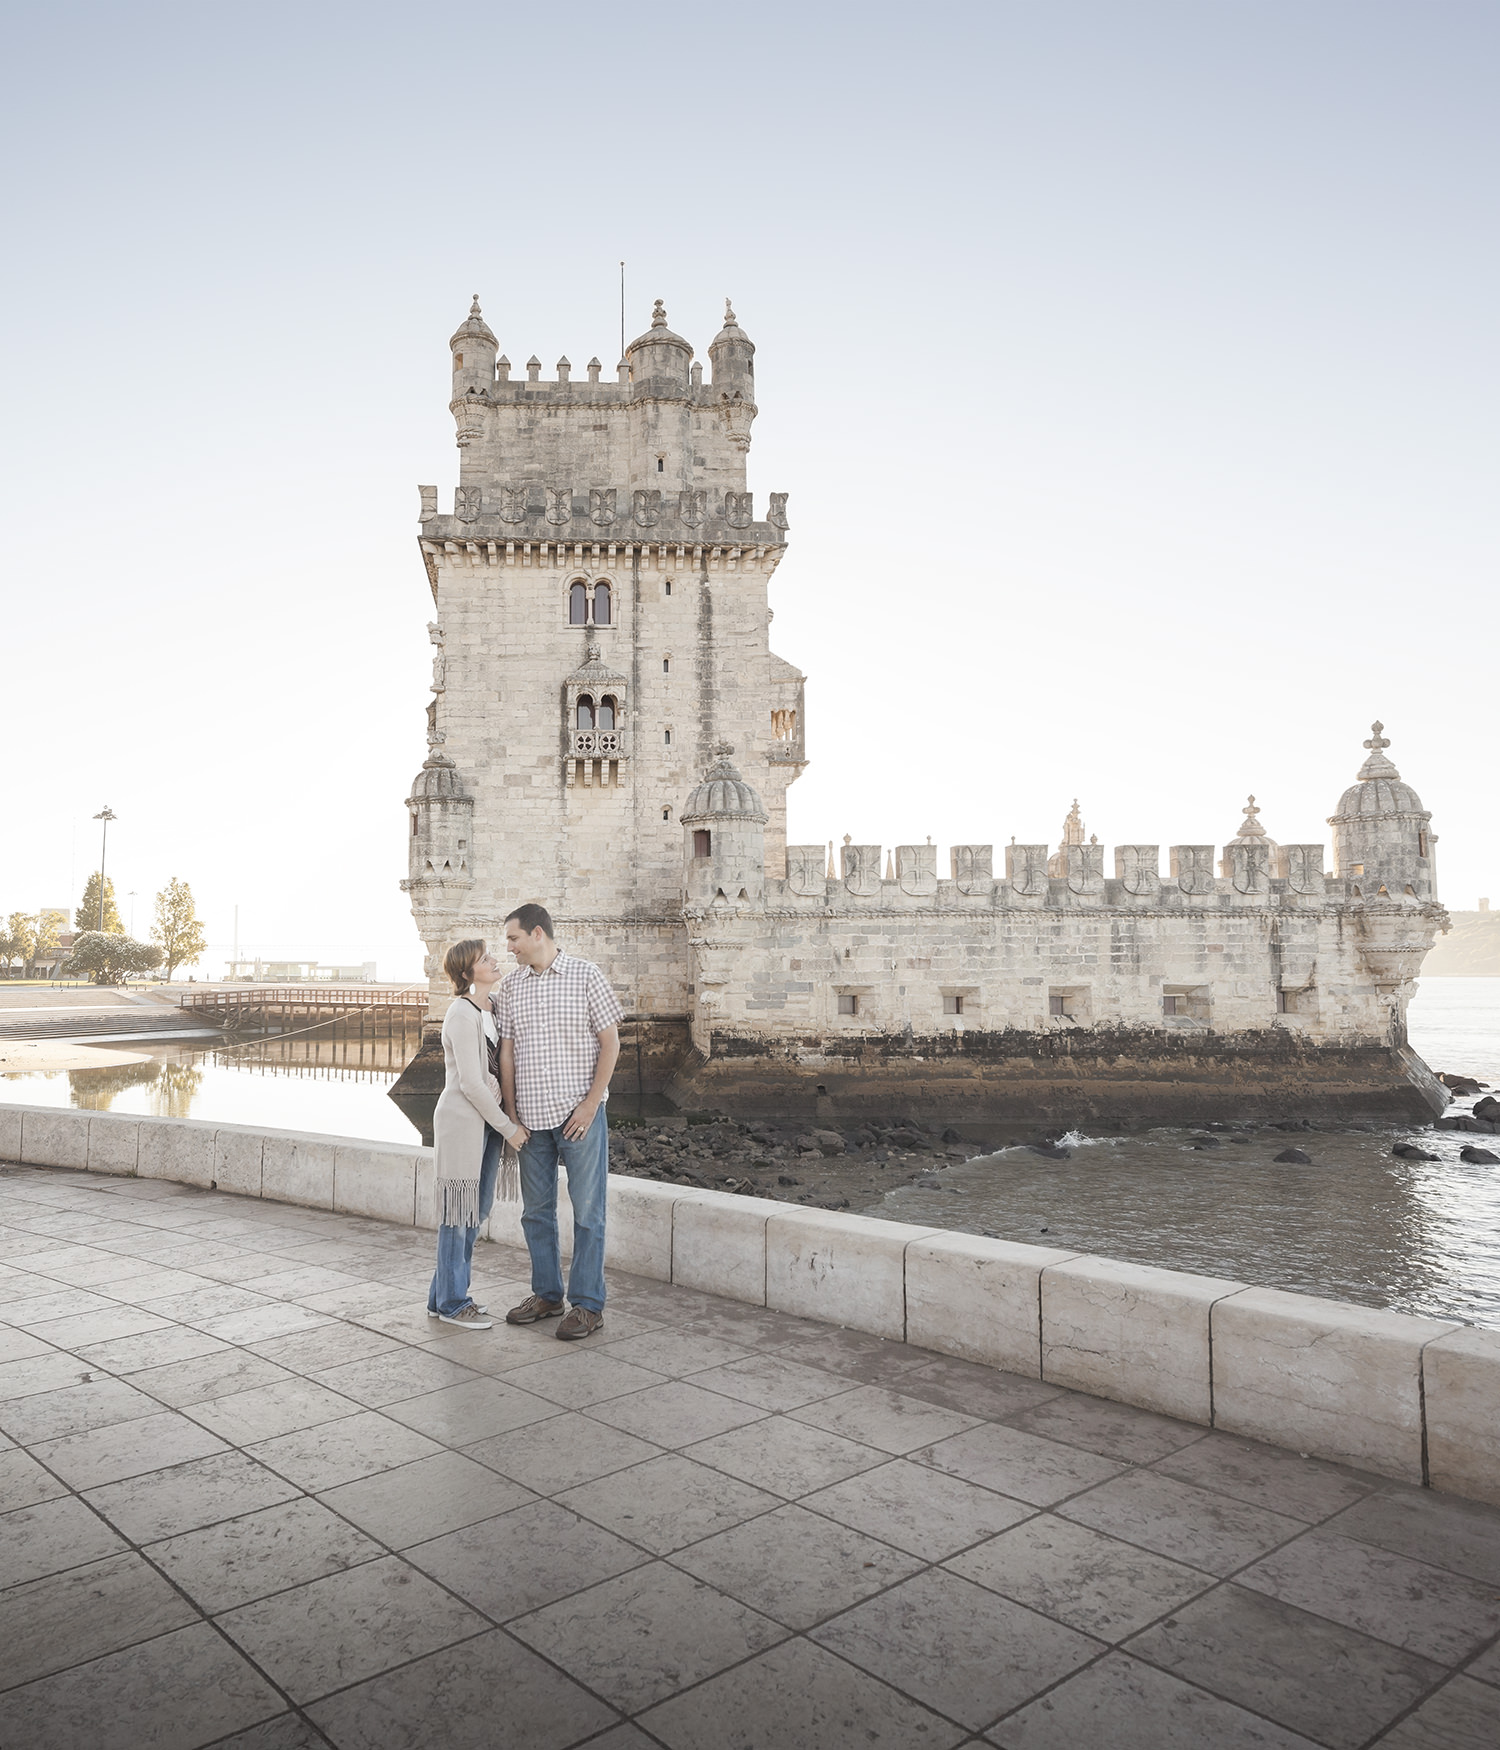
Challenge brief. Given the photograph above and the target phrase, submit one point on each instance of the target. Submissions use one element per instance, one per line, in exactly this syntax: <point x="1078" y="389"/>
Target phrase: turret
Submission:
<point x="724" y="839"/>
<point x="473" y="348"/>
<point x="442" y="826"/>
<point x="659" y="361"/>
<point x="1382" y="844"/>
<point x="733" y="356"/>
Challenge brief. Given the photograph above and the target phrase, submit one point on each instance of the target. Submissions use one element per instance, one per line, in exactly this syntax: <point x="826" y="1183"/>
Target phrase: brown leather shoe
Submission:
<point x="580" y="1322"/>
<point x="533" y="1308"/>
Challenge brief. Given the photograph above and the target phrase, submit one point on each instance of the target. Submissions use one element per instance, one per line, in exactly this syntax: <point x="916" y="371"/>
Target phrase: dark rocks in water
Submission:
<point x="1294" y="1157"/>
<point x="1461" y="1085"/>
<point x="1488" y="1108"/>
<point x="950" y="1135"/>
<point x="1205" y="1142"/>
<point x="1478" y="1157"/>
<point x="1049" y="1151"/>
<point x="1409" y="1151"/>
<point x="787" y="1179"/>
<point x="1242" y="1139"/>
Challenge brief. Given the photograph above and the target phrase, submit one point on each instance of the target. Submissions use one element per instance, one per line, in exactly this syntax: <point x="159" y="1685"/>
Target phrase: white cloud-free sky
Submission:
<point x="1131" y="368"/>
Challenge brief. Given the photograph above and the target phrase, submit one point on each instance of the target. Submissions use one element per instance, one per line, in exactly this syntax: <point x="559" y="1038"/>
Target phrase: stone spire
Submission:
<point x="1072" y="827"/>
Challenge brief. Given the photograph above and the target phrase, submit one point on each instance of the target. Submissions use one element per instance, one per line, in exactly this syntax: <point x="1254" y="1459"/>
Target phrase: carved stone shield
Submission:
<point x="513" y="503"/>
<point x="647" y="506"/>
<point x="1137" y="868"/>
<point x="1085" y="868"/>
<point x="429" y="502"/>
<point x="973" y="867"/>
<point x="1303" y="865"/>
<point x="861" y="869"/>
<point x="1249" y="867"/>
<point x="559" y="504"/>
<point x="739" y="509"/>
<point x="776" y="515"/>
<point x="467" y="501"/>
<point x="1193" y="868"/>
<point x="916" y="868"/>
<point x="602" y="504"/>
<point x="805" y="866"/>
<point x="1026" y="869"/>
<point x="692" y="507"/>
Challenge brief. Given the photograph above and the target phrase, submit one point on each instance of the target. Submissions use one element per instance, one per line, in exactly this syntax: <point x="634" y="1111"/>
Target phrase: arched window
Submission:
<point x="578" y="605"/>
<point x="585" y="719"/>
<point x="601" y="605"/>
<point x="606" y="713"/>
<point x="666" y="814"/>
<point x="666" y="665"/>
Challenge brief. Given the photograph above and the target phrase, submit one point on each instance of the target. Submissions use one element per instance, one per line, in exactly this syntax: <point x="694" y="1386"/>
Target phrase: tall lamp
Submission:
<point x="106" y="815"/>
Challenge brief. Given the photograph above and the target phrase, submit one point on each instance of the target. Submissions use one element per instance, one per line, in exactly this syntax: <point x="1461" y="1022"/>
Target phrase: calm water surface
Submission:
<point x="1359" y="1224"/>
<point x="1356" y="1225"/>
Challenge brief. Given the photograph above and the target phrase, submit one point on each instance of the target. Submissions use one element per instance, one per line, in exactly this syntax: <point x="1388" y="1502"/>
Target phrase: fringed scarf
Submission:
<point x="458" y="1199"/>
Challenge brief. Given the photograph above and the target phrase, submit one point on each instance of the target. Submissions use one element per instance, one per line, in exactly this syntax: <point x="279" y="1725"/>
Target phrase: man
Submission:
<point x="559" y="1025"/>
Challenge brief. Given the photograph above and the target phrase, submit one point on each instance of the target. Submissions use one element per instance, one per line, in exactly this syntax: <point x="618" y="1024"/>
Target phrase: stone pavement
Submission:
<point x="250" y="1495"/>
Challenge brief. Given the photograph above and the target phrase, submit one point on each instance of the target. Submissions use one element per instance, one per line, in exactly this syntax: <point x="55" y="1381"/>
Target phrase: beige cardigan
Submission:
<point x="468" y="1102"/>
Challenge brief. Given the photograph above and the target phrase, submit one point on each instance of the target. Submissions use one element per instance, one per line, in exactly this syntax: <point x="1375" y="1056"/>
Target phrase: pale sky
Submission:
<point x="1131" y="368"/>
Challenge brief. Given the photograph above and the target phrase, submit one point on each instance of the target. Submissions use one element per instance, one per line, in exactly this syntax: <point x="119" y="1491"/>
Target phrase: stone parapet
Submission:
<point x="1411" y="1398"/>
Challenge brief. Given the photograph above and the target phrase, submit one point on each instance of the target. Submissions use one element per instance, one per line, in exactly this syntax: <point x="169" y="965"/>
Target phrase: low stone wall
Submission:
<point x="1411" y="1398"/>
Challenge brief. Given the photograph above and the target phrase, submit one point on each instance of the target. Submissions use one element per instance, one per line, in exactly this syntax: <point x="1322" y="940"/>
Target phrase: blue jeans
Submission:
<point x="455" y="1247"/>
<point x="587" y="1163"/>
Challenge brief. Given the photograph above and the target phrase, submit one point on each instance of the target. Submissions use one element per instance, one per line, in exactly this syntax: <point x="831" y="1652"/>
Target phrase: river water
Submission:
<point x="1358" y="1224"/>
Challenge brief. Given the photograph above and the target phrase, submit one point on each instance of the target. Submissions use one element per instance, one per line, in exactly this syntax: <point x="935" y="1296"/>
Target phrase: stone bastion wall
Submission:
<point x="1413" y="1398"/>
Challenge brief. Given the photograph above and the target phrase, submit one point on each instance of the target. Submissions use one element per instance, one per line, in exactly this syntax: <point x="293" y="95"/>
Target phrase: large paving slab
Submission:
<point x="251" y="1497"/>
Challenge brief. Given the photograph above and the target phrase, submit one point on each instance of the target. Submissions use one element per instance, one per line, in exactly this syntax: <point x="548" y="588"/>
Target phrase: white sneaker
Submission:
<point x="467" y="1318"/>
<point x="433" y="1313"/>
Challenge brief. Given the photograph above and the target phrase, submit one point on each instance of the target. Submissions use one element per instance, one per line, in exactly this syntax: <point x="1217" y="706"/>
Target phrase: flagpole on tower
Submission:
<point x="622" y="309"/>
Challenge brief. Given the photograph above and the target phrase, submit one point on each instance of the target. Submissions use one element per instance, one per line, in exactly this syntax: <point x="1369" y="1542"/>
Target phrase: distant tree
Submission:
<point x="87" y="915"/>
<point x="110" y="956"/>
<point x="18" y="940"/>
<point x="177" y="927"/>
<point x="44" y="937"/>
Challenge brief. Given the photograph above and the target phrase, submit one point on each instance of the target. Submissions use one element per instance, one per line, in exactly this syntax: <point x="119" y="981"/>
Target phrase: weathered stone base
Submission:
<point x="1060" y="1078"/>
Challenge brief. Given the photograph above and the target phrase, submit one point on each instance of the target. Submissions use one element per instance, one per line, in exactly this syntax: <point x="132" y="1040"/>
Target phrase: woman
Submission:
<point x="466" y="1129"/>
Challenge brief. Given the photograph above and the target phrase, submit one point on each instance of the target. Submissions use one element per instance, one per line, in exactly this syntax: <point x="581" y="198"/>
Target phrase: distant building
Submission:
<point x="611" y="734"/>
<point x="300" y="972"/>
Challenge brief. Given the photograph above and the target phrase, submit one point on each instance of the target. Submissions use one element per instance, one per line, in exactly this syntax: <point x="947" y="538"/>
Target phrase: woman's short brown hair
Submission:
<point x="459" y="963"/>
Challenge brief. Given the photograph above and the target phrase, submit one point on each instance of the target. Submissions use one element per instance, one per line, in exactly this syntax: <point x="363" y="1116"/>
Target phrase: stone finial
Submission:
<point x="831" y="875"/>
<point x="1073" y="826"/>
<point x="848" y="838"/>
<point x="1376" y="764"/>
<point x="658" y="314"/>
<point x="890" y="867"/>
<point x="723" y="750"/>
<point x="474" y="309"/>
<point x="730" y="319"/>
<point x="591" y="652"/>
<point x="1250" y="827"/>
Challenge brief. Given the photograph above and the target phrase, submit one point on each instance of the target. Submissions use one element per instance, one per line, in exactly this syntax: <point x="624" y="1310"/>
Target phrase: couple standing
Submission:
<point x="528" y="1058"/>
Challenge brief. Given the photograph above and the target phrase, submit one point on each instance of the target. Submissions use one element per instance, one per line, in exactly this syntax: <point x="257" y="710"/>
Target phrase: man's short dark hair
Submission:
<point x="532" y="917"/>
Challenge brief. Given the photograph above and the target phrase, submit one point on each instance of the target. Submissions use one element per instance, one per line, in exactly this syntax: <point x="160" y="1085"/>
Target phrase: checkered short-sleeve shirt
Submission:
<point x="554" y="1019"/>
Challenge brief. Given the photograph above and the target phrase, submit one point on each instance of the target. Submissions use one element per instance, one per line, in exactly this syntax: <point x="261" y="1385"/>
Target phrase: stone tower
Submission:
<point x="602" y="625"/>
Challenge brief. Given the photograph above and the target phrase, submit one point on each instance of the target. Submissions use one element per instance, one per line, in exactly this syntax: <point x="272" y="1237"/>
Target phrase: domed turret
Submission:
<point x="659" y="361"/>
<point x="724" y="838"/>
<point x="733" y="356"/>
<point x="1381" y="841"/>
<point x="442" y="819"/>
<point x="473" y="348"/>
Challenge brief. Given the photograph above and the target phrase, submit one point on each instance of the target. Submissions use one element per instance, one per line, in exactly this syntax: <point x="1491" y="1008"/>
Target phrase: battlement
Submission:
<point x="536" y="512"/>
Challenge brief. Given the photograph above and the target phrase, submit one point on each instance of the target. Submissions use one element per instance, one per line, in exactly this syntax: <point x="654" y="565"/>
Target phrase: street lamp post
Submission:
<point x="106" y="815"/>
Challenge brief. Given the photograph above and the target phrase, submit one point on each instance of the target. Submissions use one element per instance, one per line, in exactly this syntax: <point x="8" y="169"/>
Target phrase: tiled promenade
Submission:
<point x="251" y="1496"/>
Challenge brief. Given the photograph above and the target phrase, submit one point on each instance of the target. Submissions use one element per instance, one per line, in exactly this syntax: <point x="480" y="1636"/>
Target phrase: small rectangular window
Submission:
<point x="458" y="361"/>
<point x="1421" y="844"/>
<point x="1283" y="1003"/>
<point x="414" y="826"/>
<point x="1057" y="1005"/>
<point x="666" y="665"/>
<point x="669" y="586"/>
<point x="1356" y="868"/>
<point x="848" y="1003"/>
<point x="666" y="736"/>
<point x="1173" y="1006"/>
<point x="953" y="1005"/>
<point x="703" y="843"/>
